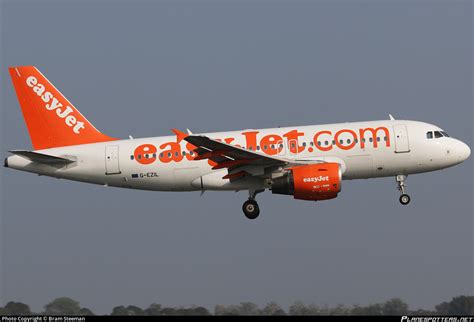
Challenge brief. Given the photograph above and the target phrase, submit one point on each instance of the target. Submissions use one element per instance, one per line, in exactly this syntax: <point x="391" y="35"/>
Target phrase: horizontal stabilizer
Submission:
<point x="40" y="157"/>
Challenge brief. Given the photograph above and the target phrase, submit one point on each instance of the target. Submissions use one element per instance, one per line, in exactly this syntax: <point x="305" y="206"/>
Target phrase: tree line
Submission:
<point x="459" y="305"/>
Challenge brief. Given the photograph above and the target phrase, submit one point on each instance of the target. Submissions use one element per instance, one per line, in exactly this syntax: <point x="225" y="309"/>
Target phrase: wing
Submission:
<point x="41" y="158"/>
<point x="242" y="162"/>
<point x="238" y="161"/>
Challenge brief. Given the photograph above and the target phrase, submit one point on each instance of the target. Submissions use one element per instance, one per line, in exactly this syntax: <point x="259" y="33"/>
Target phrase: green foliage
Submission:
<point x="299" y="308"/>
<point x="16" y="308"/>
<point x="62" y="306"/>
<point x="65" y="306"/>
<point x="226" y="310"/>
<point x="199" y="310"/>
<point x="156" y="309"/>
<point x="85" y="311"/>
<point x="272" y="308"/>
<point x="129" y="310"/>
<point x="153" y="309"/>
<point x="249" y="309"/>
<point x="395" y="307"/>
<point x="459" y="305"/>
<point x="339" y="310"/>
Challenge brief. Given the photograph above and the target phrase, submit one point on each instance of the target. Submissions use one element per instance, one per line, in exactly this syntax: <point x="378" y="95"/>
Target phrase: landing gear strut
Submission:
<point x="404" y="198"/>
<point x="250" y="207"/>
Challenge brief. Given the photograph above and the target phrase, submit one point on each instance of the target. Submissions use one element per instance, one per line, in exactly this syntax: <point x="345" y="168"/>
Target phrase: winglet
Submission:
<point x="180" y="136"/>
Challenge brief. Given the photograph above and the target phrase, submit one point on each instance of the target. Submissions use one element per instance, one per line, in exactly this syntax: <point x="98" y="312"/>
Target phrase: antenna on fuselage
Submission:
<point x="391" y="117"/>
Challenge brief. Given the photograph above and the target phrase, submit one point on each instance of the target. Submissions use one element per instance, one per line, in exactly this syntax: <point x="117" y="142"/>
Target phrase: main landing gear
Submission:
<point x="404" y="198"/>
<point x="250" y="207"/>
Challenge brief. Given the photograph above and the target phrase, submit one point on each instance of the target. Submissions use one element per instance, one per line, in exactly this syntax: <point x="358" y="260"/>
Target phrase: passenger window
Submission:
<point x="311" y="143"/>
<point x="131" y="157"/>
<point x="319" y="143"/>
<point x="139" y="156"/>
<point x="348" y="141"/>
<point x="356" y="141"/>
<point x="333" y="142"/>
<point x="378" y="139"/>
<point x="326" y="142"/>
<point x="438" y="135"/>
<point x="184" y="153"/>
<point x="371" y="139"/>
<point x="161" y="155"/>
<point x="264" y="147"/>
<point x="385" y="138"/>
<point x="304" y="144"/>
<point x="429" y="135"/>
<point x="258" y="147"/>
<point x="341" y="141"/>
<point x="169" y="154"/>
<point x="363" y="140"/>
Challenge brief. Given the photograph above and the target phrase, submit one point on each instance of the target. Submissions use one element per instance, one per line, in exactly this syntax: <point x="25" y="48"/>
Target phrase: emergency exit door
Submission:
<point x="112" y="159"/>
<point x="402" y="144"/>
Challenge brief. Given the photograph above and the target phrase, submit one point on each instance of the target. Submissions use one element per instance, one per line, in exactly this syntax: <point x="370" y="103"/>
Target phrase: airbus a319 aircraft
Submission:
<point x="307" y="162"/>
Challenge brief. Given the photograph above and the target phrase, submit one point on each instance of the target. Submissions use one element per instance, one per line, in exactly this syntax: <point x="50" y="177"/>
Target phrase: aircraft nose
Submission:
<point x="466" y="151"/>
<point x="462" y="151"/>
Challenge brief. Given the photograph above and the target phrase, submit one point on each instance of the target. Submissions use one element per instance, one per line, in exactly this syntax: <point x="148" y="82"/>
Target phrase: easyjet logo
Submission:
<point x="51" y="103"/>
<point x="294" y="141"/>
<point x="316" y="179"/>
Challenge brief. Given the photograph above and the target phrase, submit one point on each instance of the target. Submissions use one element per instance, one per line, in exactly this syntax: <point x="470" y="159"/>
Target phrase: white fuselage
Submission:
<point x="364" y="150"/>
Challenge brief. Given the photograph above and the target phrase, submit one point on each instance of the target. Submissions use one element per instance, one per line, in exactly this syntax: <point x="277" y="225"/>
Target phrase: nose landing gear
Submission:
<point x="404" y="198"/>
<point x="250" y="207"/>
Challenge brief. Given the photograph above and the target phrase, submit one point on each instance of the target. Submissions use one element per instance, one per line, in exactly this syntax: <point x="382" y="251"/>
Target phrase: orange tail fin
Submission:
<point x="51" y="119"/>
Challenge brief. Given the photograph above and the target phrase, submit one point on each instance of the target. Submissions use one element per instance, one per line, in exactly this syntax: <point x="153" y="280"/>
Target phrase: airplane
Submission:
<point x="307" y="162"/>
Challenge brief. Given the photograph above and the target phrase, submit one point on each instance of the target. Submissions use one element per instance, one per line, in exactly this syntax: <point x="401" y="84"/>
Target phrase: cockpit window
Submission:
<point x="445" y="134"/>
<point x="438" y="134"/>
<point x="429" y="135"/>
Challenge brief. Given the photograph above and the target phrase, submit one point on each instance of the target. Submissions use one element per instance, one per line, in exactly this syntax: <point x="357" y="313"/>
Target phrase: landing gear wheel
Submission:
<point x="404" y="199"/>
<point x="251" y="209"/>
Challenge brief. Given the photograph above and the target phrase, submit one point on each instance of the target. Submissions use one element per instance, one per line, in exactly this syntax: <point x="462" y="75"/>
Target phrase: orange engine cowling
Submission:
<point x="319" y="181"/>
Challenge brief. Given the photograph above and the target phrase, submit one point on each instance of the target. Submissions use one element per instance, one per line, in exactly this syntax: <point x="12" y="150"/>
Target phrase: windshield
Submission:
<point x="436" y="134"/>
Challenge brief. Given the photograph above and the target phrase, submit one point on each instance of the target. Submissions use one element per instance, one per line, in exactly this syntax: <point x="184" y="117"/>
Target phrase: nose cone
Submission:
<point x="462" y="151"/>
<point x="466" y="151"/>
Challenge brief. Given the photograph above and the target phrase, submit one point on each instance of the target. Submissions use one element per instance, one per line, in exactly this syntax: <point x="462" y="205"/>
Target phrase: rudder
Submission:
<point x="52" y="121"/>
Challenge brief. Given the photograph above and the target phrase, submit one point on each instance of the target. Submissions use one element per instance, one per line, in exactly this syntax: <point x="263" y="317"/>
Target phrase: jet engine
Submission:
<point x="319" y="181"/>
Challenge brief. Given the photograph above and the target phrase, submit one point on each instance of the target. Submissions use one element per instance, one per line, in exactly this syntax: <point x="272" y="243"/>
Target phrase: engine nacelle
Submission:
<point x="319" y="181"/>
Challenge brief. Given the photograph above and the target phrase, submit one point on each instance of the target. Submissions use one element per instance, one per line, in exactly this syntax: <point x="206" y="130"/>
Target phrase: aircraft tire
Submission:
<point x="404" y="199"/>
<point x="251" y="209"/>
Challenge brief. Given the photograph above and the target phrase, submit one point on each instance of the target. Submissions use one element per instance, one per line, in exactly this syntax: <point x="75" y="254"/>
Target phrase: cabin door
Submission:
<point x="112" y="159"/>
